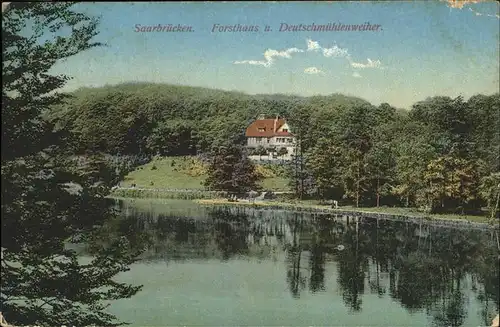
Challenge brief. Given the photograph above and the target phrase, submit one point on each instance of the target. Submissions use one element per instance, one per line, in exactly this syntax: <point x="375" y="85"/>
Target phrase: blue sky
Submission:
<point x="422" y="49"/>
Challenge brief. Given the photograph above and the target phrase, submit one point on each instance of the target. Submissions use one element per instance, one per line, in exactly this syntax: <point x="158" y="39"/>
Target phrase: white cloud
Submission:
<point x="338" y="52"/>
<point x="370" y="64"/>
<point x="312" y="45"/>
<point x="253" y="62"/>
<point x="356" y="74"/>
<point x="313" y="70"/>
<point x="335" y="51"/>
<point x="269" y="56"/>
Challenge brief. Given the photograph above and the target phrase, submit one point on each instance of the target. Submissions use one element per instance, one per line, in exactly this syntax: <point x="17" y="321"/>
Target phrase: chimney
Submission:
<point x="261" y="117"/>
<point x="275" y="123"/>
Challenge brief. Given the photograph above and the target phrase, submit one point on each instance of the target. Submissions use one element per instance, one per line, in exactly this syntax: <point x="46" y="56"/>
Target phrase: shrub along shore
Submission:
<point x="150" y="193"/>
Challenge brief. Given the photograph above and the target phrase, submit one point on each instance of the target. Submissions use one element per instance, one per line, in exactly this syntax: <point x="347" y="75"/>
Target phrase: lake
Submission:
<point x="245" y="267"/>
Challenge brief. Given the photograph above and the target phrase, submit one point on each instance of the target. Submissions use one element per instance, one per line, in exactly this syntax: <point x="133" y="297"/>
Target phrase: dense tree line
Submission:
<point x="156" y="119"/>
<point x="442" y="155"/>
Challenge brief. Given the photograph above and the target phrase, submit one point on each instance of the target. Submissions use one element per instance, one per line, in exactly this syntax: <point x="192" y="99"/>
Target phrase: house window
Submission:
<point x="261" y="129"/>
<point x="285" y="130"/>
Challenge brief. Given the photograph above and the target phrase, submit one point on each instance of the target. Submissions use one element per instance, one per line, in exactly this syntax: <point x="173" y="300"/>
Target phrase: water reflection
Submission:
<point x="423" y="268"/>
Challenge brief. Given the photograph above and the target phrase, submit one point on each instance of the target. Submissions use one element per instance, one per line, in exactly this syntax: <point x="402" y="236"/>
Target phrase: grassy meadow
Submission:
<point x="187" y="173"/>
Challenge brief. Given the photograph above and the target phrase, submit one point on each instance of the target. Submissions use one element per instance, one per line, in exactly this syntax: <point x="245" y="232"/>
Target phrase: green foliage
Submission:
<point x="448" y="117"/>
<point x="264" y="172"/>
<point x="161" y="119"/>
<point x="371" y="155"/>
<point x="354" y="129"/>
<point x="167" y="194"/>
<point x="326" y="163"/>
<point x="172" y="137"/>
<point x="381" y="163"/>
<point x="231" y="170"/>
<point x="485" y="121"/>
<point x="355" y="176"/>
<point x="449" y="180"/>
<point x="413" y="152"/>
<point x="49" y="199"/>
<point x="277" y="169"/>
<point x="489" y="190"/>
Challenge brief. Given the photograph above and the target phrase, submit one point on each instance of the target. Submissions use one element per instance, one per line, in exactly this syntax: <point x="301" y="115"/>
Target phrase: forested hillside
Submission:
<point x="442" y="155"/>
<point x="139" y="118"/>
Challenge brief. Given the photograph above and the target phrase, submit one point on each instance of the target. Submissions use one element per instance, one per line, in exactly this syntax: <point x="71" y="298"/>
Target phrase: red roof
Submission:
<point x="266" y="128"/>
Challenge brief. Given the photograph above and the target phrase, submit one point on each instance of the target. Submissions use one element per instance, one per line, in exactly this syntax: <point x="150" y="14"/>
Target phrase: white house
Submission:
<point x="271" y="134"/>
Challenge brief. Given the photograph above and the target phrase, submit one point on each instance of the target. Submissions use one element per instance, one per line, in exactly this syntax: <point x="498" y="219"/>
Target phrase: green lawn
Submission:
<point x="182" y="173"/>
<point x="166" y="175"/>
<point x="277" y="184"/>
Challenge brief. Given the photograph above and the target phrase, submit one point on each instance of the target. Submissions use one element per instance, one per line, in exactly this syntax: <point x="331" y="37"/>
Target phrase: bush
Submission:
<point x="195" y="168"/>
<point x="165" y="194"/>
<point x="276" y="169"/>
<point x="264" y="172"/>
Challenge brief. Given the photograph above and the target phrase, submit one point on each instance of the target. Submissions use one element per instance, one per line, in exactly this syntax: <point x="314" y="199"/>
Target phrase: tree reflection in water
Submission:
<point x="295" y="278"/>
<point x="424" y="268"/>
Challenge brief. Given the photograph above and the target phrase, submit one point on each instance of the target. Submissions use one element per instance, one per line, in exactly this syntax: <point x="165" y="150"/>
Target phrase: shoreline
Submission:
<point x="382" y="213"/>
<point x="214" y="198"/>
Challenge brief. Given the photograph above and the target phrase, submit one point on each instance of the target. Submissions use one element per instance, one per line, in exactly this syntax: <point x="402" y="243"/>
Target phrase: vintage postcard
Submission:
<point x="250" y="163"/>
